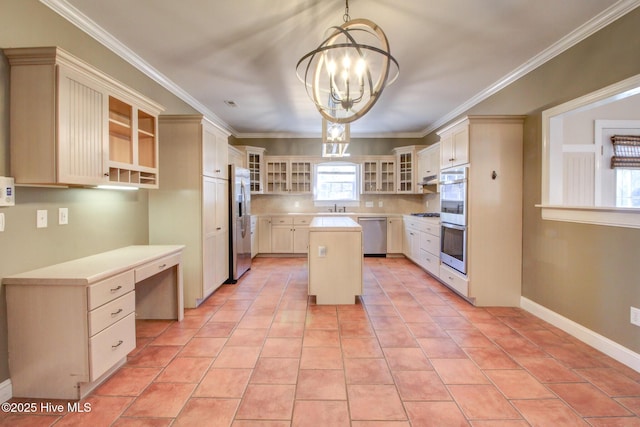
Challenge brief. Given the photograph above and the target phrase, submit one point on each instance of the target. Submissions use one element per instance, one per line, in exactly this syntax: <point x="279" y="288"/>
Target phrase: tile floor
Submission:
<point x="411" y="354"/>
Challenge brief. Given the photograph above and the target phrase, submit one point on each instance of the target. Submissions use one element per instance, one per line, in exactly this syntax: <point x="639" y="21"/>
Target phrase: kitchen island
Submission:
<point x="335" y="259"/>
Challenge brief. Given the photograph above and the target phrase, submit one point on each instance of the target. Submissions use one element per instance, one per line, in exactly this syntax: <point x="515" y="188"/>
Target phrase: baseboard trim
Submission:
<point x="6" y="390"/>
<point x="599" y="342"/>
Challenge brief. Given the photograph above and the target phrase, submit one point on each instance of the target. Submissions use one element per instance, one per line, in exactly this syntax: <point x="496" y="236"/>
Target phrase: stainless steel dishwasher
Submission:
<point x="374" y="235"/>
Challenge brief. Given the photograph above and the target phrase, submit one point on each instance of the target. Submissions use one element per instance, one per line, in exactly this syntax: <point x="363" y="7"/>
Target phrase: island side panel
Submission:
<point x="335" y="273"/>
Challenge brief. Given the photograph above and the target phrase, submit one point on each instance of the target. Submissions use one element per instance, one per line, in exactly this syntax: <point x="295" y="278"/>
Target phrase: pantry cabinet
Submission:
<point x="378" y="175"/>
<point x="191" y="206"/>
<point x="71" y="124"/>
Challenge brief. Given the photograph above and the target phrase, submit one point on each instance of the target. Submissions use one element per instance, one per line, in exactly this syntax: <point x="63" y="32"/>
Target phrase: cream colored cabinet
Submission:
<point x="494" y="196"/>
<point x="429" y="162"/>
<point x="191" y="206"/>
<point x="406" y="165"/>
<point x="394" y="235"/>
<point x="290" y="234"/>
<point x="288" y="175"/>
<point x="411" y="240"/>
<point x="236" y="157"/>
<point x="454" y="145"/>
<point x="264" y="235"/>
<point x="378" y="175"/>
<point x="254" y="160"/>
<point x="72" y="124"/>
<point x="429" y="254"/>
<point x="254" y="236"/>
<point x="215" y="152"/>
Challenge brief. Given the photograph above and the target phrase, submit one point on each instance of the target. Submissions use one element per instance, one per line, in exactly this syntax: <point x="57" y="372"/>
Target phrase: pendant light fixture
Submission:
<point x="347" y="73"/>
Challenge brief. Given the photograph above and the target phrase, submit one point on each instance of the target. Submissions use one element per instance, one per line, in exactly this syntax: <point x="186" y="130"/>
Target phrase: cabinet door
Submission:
<point x="277" y="176"/>
<point x="460" y="145"/>
<point x="254" y="164"/>
<point x="82" y="141"/>
<point x="222" y="205"/>
<point x="387" y="176"/>
<point x="411" y="243"/>
<point x="300" y="177"/>
<point x="264" y="235"/>
<point x="446" y="150"/>
<point x="214" y="153"/>
<point x="300" y="239"/>
<point x="405" y="173"/>
<point x="222" y="155"/>
<point x="254" y="236"/>
<point x="222" y="258"/>
<point x="394" y="235"/>
<point x="282" y="239"/>
<point x="370" y="177"/>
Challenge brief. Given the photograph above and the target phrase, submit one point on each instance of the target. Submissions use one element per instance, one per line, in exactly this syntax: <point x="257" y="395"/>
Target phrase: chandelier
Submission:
<point x="335" y="139"/>
<point x="347" y="73"/>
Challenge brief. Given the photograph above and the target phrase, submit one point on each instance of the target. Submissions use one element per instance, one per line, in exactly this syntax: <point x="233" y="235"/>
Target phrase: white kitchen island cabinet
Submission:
<point x="335" y="260"/>
<point x="71" y="325"/>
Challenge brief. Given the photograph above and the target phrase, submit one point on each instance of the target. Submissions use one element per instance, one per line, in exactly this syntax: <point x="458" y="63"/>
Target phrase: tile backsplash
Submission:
<point x="369" y="203"/>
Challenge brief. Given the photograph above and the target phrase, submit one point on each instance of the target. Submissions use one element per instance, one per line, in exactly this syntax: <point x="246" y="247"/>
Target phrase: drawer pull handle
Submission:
<point x="115" y="313"/>
<point x="116" y="289"/>
<point x="162" y="265"/>
<point x="218" y="228"/>
<point x="450" y="278"/>
<point x="117" y="345"/>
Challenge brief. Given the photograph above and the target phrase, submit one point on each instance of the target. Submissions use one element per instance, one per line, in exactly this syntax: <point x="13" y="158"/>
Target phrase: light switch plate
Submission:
<point x="63" y="216"/>
<point x="635" y="316"/>
<point x="1" y="221"/>
<point x="41" y="218"/>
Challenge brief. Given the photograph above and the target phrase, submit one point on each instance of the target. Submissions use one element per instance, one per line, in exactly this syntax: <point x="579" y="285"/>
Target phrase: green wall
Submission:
<point x="99" y="220"/>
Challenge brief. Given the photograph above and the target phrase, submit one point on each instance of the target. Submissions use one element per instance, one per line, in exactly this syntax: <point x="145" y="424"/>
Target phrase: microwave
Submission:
<point x="453" y="195"/>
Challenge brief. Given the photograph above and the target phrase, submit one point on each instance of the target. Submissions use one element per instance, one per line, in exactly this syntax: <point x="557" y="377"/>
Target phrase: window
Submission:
<point x="580" y="183"/>
<point x="336" y="182"/>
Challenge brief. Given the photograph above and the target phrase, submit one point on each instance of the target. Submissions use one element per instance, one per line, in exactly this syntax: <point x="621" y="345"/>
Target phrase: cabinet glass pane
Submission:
<point x="146" y="140"/>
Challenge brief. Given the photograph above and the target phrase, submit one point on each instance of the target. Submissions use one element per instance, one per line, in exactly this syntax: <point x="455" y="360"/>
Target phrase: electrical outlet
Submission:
<point x="380" y="204"/>
<point x="635" y="316"/>
<point x="41" y="218"/>
<point x="63" y="216"/>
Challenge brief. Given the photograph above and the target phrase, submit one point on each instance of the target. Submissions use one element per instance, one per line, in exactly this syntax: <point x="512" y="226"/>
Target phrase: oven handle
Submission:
<point x="456" y="181"/>
<point x="457" y="227"/>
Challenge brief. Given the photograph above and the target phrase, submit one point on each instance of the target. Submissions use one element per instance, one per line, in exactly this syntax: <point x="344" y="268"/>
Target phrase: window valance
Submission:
<point x="626" y="151"/>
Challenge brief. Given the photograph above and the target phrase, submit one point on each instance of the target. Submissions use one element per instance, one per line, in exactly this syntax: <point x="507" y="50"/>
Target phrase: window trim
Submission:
<point x="551" y="153"/>
<point x="352" y="202"/>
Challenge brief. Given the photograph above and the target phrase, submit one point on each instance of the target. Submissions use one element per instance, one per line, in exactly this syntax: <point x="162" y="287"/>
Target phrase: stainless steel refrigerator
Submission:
<point x="239" y="223"/>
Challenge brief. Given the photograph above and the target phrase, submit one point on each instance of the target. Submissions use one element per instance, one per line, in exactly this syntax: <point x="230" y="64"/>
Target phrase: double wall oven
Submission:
<point x="453" y="217"/>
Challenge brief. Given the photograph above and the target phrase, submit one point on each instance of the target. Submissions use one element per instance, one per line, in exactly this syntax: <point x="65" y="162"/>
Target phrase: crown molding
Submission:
<point x="86" y="24"/>
<point x="83" y="22"/>
<point x="590" y="27"/>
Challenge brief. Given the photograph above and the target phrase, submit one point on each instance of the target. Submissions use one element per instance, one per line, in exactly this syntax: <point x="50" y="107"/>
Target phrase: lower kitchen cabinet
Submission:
<point x="264" y="235"/>
<point x="254" y="236"/>
<point x="287" y="234"/>
<point x="394" y="235"/>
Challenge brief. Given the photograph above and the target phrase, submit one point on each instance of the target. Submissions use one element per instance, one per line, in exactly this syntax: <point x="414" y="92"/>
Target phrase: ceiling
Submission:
<point x="452" y="53"/>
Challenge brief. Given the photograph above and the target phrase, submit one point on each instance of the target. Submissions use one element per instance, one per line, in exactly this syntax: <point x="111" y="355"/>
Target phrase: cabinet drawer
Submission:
<point x="430" y="243"/>
<point x="281" y="220"/>
<point x="431" y="229"/>
<point x="110" y="289"/>
<point x="454" y="280"/>
<point x="155" y="267"/>
<point x="429" y="262"/>
<point x="108" y="314"/>
<point x="302" y="220"/>
<point x="111" y="345"/>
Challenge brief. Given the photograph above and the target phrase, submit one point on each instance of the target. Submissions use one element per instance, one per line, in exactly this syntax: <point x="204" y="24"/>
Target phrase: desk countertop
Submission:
<point x="90" y="269"/>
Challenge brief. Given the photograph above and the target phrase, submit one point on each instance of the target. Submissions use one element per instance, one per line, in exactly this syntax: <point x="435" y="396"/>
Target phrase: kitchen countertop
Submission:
<point x="334" y="223"/>
<point x="332" y="214"/>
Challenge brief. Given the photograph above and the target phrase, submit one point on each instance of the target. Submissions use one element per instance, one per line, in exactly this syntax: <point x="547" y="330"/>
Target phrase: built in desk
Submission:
<point x="71" y="325"/>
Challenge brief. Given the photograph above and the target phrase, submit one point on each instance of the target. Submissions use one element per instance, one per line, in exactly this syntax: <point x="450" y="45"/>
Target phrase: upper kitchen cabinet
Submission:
<point x="286" y="175"/>
<point x="255" y="164"/>
<point x="379" y="175"/>
<point x="406" y="164"/>
<point x="454" y="145"/>
<point x="429" y="163"/>
<point x="73" y="125"/>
